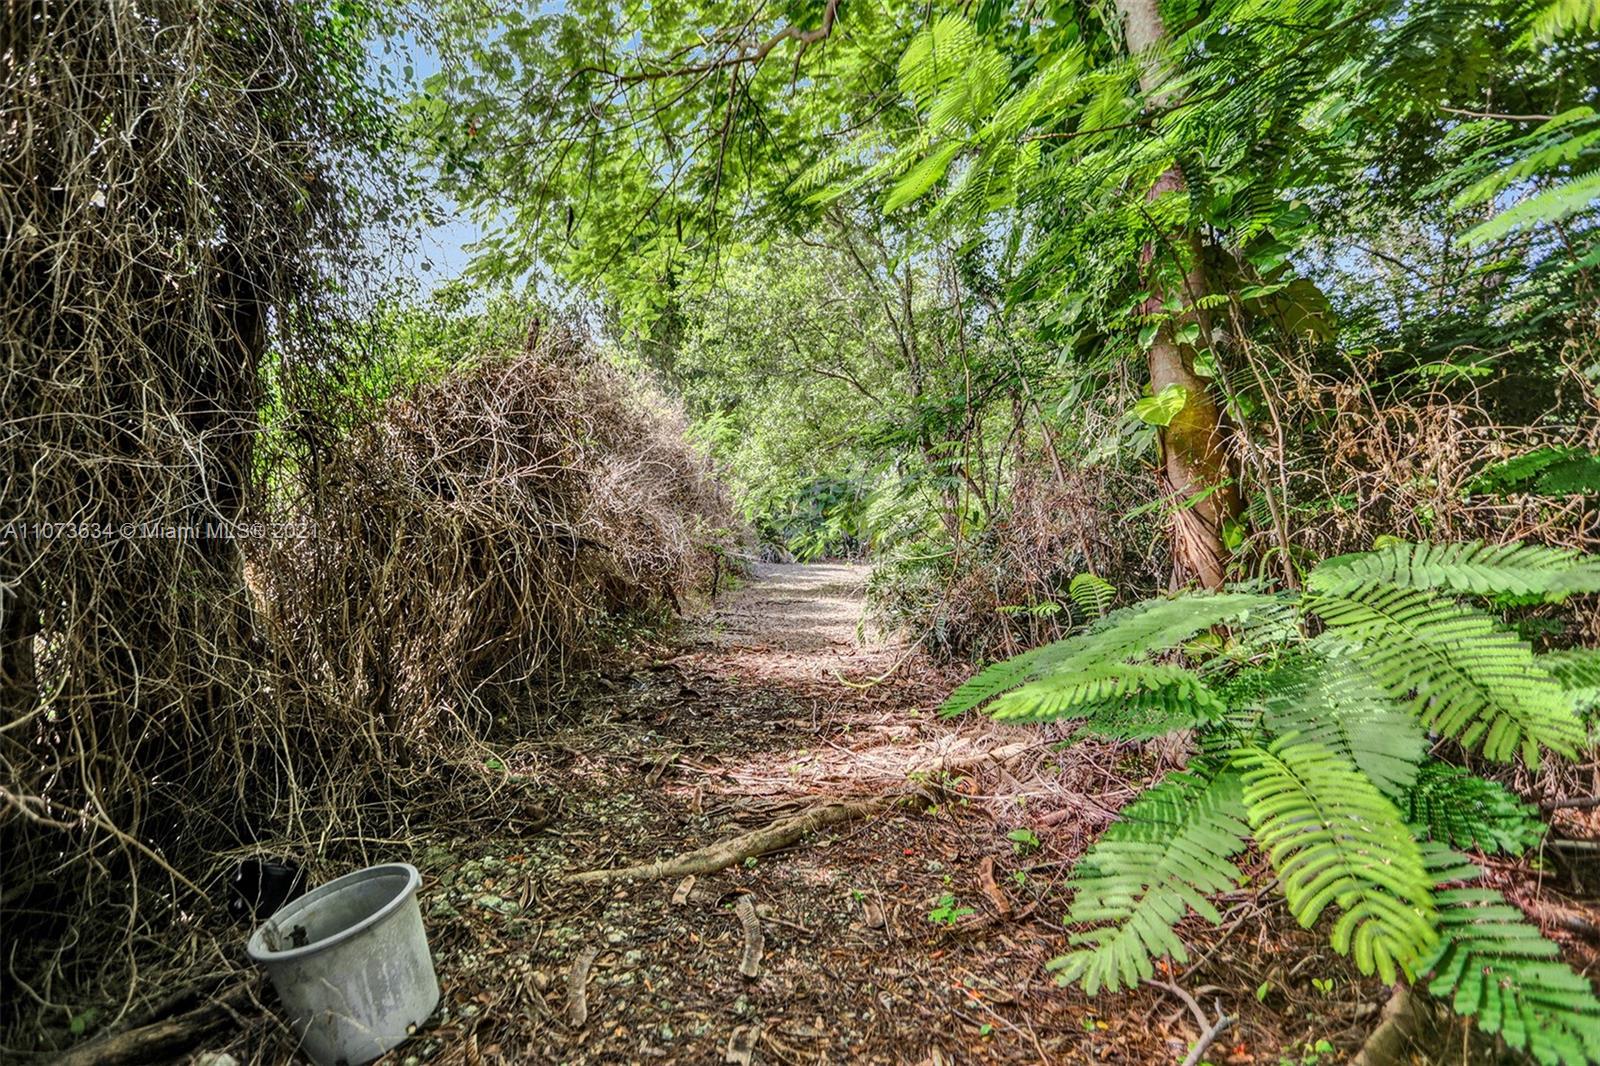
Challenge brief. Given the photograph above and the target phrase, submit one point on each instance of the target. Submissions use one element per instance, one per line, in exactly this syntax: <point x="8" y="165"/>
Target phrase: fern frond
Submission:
<point x="1562" y="470"/>
<point x="1325" y="698"/>
<point x="1165" y="854"/>
<point x="1457" y="807"/>
<point x="1334" y="839"/>
<point x="1154" y="625"/>
<point x="1093" y="594"/>
<point x="998" y="677"/>
<point x="1159" y="625"/>
<point x="1552" y="205"/>
<point x="1491" y="964"/>
<point x="1566" y="16"/>
<point x="1463" y="674"/>
<point x="1123" y="699"/>
<point x="1578" y="673"/>
<point x="1157" y="713"/>
<point x="1475" y="567"/>
<point x="927" y="173"/>
<point x="935" y="56"/>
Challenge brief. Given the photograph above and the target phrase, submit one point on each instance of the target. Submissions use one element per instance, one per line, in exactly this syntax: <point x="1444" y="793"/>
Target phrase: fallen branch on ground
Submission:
<point x="163" y="1040"/>
<point x="1209" y="1031"/>
<point x="1218" y="1027"/>
<point x="734" y="850"/>
<point x="786" y="831"/>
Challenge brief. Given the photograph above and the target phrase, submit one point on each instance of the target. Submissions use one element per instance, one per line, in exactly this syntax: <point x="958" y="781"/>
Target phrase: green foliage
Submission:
<point x="1549" y="471"/>
<point x="947" y="911"/>
<point x="1328" y="700"/>
<point x="1093" y="594"/>
<point x="1565" y="16"/>
<point x="1456" y="668"/>
<point x="1335" y="839"/>
<point x="1315" y="740"/>
<point x="1578" y="673"/>
<point x="1023" y="841"/>
<point x="1484" y="569"/>
<point x="1459" y="808"/>
<point x="1492" y="964"/>
<point x="1162" y="698"/>
<point x="1162" y="858"/>
<point x="1131" y="633"/>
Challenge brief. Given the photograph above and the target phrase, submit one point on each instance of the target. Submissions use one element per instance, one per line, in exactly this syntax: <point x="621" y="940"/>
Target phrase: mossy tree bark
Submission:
<point x="1196" y="468"/>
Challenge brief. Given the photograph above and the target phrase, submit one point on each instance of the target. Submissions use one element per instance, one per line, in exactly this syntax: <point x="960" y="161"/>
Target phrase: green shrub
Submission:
<point x="1310" y="712"/>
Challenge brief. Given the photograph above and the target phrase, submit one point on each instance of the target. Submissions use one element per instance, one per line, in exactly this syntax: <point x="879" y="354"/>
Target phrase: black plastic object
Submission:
<point x="260" y="886"/>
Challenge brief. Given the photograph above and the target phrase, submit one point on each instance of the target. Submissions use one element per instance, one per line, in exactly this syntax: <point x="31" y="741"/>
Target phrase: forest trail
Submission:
<point x="916" y="932"/>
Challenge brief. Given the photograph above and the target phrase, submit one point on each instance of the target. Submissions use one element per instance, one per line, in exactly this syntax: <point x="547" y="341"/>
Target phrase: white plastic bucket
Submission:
<point x="350" y="962"/>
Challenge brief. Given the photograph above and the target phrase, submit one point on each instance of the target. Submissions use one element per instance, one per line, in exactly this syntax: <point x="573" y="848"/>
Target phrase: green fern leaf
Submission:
<point x="1463" y="674"/>
<point x="935" y="56"/>
<point x="1131" y="699"/>
<point x="1328" y="700"/>
<point x="1145" y="715"/>
<point x="922" y="177"/>
<point x="1154" y="625"/>
<point x="1484" y="569"/>
<point x="1334" y="839"/>
<point x="1159" y="625"/>
<point x="1455" y="806"/>
<point x="1566" y="16"/>
<point x="1167" y="852"/>
<point x="1549" y="471"/>
<point x="1577" y="671"/>
<point x="998" y="677"/>
<point x="1552" y="205"/>
<point x="1093" y="594"/>
<point x="1491" y="964"/>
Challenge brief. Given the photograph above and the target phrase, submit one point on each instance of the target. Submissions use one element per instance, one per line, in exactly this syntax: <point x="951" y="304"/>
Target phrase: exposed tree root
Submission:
<point x="164" y="1040"/>
<point x="734" y="850"/>
<point x="1405" y="1024"/>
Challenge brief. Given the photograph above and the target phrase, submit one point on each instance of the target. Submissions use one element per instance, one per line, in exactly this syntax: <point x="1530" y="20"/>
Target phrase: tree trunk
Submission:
<point x="1195" y="461"/>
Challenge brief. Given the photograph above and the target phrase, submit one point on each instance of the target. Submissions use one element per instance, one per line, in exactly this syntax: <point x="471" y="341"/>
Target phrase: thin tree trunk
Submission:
<point x="1195" y="465"/>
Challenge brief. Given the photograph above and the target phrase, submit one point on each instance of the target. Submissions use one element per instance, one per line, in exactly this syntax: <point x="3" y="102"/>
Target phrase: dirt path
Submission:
<point x="916" y="935"/>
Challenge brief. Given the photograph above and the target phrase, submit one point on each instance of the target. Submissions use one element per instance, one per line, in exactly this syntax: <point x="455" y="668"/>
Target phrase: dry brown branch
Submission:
<point x="163" y="1040"/>
<point x="725" y="853"/>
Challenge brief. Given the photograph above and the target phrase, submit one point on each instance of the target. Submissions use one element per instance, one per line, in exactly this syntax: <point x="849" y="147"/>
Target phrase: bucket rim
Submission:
<point x="257" y="948"/>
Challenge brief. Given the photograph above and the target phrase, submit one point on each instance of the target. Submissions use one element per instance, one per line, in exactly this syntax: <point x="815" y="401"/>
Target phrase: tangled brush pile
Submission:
<point x="455" y="548"/>
<point x="1007" y="588"/>
<point x="209" y="644"/>
<point x="162" y="218"/>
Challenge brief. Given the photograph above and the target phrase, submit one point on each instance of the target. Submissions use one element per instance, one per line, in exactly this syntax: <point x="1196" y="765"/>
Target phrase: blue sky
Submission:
<point x="443" y="247"/>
